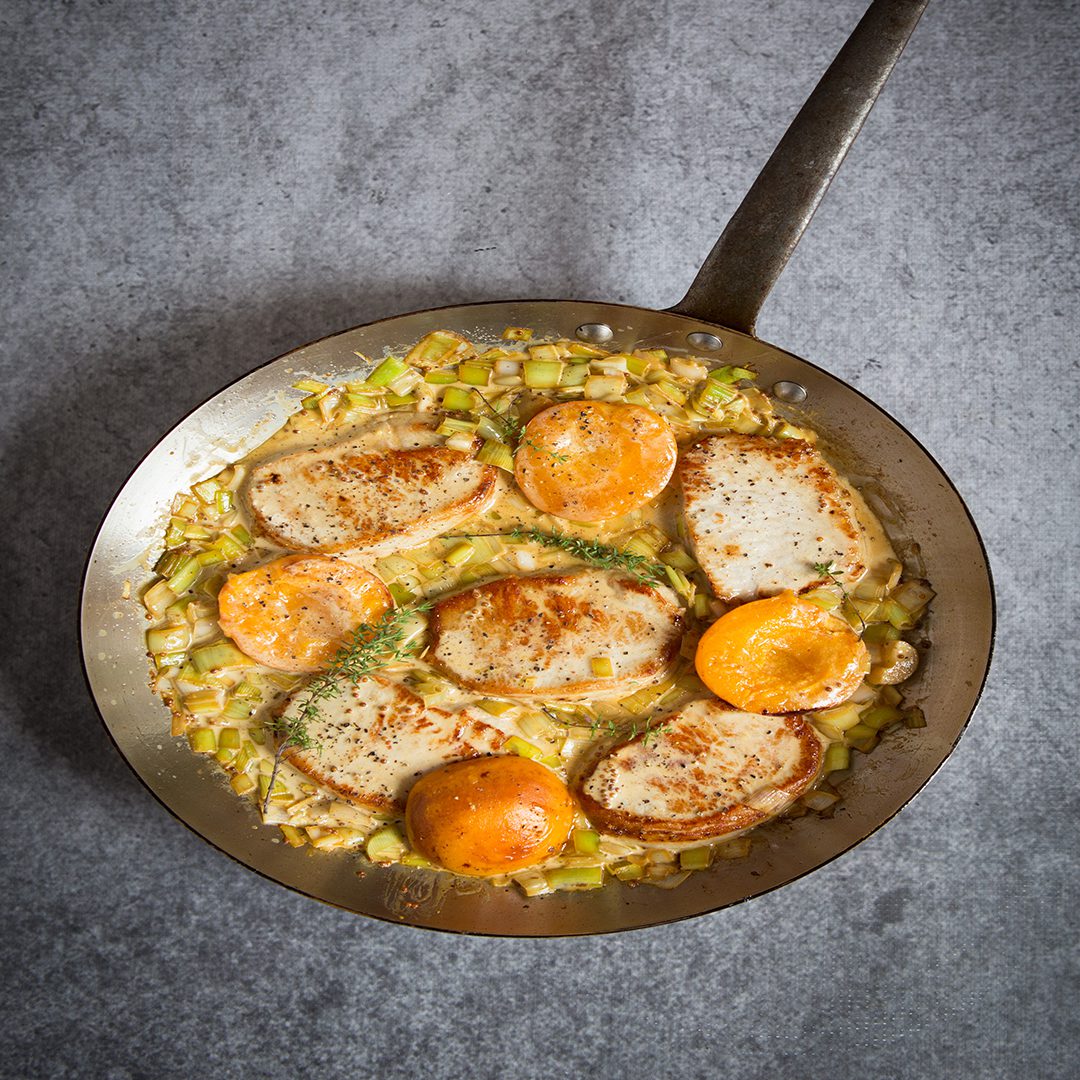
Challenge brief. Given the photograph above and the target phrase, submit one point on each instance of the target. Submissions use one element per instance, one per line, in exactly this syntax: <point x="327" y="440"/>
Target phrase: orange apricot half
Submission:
<point x="594" y="460"/>
<point x="293" y="613"/>
<point x="490" y="815"/>
<point x="781" y="655"/>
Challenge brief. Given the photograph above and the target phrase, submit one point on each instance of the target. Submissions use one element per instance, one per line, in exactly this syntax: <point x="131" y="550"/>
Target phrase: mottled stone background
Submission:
<point x="191" y="188"/>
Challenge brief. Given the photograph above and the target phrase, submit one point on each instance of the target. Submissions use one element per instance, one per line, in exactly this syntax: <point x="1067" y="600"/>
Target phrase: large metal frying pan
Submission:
<point x="718" y="313"/>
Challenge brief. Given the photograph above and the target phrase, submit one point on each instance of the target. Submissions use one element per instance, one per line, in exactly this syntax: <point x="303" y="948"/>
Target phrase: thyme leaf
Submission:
<point x="368" y="648"/>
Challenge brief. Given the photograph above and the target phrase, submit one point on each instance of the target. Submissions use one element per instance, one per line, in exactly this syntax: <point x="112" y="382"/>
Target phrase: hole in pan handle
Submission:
<point x="754" y="248"/>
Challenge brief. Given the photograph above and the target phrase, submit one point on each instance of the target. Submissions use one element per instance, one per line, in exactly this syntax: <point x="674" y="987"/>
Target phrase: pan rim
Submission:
<point x="386" y="918"/>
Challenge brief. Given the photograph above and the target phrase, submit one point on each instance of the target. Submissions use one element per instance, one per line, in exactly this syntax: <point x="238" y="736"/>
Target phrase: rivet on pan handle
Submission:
<point x="754" y="248"/>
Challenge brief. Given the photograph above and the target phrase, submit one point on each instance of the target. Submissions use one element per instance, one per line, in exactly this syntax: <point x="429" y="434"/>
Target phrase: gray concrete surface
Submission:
<point x="189" y="189"/>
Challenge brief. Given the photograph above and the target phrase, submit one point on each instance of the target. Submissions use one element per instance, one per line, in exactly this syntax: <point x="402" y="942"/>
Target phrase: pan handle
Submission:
<point x="754" y="248"/>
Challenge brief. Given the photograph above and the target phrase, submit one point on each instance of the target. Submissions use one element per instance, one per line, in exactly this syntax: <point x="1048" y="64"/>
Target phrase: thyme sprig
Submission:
<point x="605" y="556"/>
<point x="368" y="648"/>
<point x="648" y="729"/>
<point x="829" y="570"/>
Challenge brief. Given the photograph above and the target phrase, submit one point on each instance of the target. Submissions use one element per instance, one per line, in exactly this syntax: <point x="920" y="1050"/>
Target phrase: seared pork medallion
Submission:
<point x="589" y="634"/>
<point x="372" y="743"/>
<point x="539" y="612"/>
<point x="393" y="486"/>
<point x="710" y="773"/>
<point x="762" y="514"/>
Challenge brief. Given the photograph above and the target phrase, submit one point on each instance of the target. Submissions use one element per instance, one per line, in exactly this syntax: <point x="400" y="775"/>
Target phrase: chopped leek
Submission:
<point x="242" y="784"/>
<point x="390" y="369"/>
<point x="185" y="576"/>
<point x="406" y="382"/>
<point x="680" y="583"/>
<point x="386" y="845"/>
<point x="310" y="386"/>
<point x="729" y="374"/>
<point x="822" y="598"/>
<point x="515" y="745"/>
<point x="497" y="454"/>
<point x="586" y="841"/>
<point x="712" y="396"/>
<point x="462" y="441"/>
<point x="576" y="348"/>
<point x="488" y="427"/>
<point x="914" y="718"/>
<point x="206" y="490"/>
<point x="602" y="667"/>
<point x="361" y="401"/>
<point x="517" y="333"/>
<point x="401" y="595"/>
<point x="837" y="758"/>
<point x="495" y="708"/>
<point x="542" y="374"/>
<point x="598" y="387"/>
<point x="820" y="800"/>
<point x="842" y="717"/>
<point x="670" y="391"/>
<point x="881" y="716"/>
<point x="293" y="836"/>
<point x="878" y="633"/>
<point x="397" y="400"/>
<point x="203" y="740"/>
<point x="218" y="655"/>
<point x="545" y="352"/>
<point x="203" y="702"/>
<point x="460" y="554"/>
<point x="165" y="639"/>
<point x="457" y="400"/>
<point x="648" y="542"/>
<point x="574" y="375"/>
<point x="441" y="378"/>
<point x="646" y="698"/>
<point x="575" y="877"/>
<point x="862" y="737"/>
<point x="536" y="726"/>
<point x="737" y="848"/>
<point x="237" y="708"/>
<point x="532" y="883"/>
<point x="629" y="872"/>
<point x="487" y="547"/>
<point x="679" y="558"/>
<point x="229" y="738"/>
<point x="697" y="858"/>
<point x="474" y="374"/>
<point x="438" y="347"/>
<point x="393" y="566"/>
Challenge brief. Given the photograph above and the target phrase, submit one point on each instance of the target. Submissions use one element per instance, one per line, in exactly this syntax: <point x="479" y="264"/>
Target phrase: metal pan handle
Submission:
<point x="754" y="248"/>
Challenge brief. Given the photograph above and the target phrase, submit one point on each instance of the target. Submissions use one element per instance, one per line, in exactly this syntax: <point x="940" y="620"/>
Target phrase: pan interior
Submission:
<point x="907" y="488"/>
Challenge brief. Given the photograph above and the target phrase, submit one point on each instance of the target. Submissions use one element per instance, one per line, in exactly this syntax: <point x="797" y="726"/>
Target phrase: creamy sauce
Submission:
<point x="567" y="736"/>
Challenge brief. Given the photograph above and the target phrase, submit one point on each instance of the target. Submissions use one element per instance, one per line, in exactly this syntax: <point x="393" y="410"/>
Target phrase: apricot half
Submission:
<point x="293" y="613"/>
<point x="490" y="815"/>
<point x="594" y="460"/>
<point x="781" y="655"/>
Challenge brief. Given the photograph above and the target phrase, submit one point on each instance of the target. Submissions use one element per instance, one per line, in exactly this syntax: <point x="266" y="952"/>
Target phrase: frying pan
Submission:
<point x="716" y="318"/>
